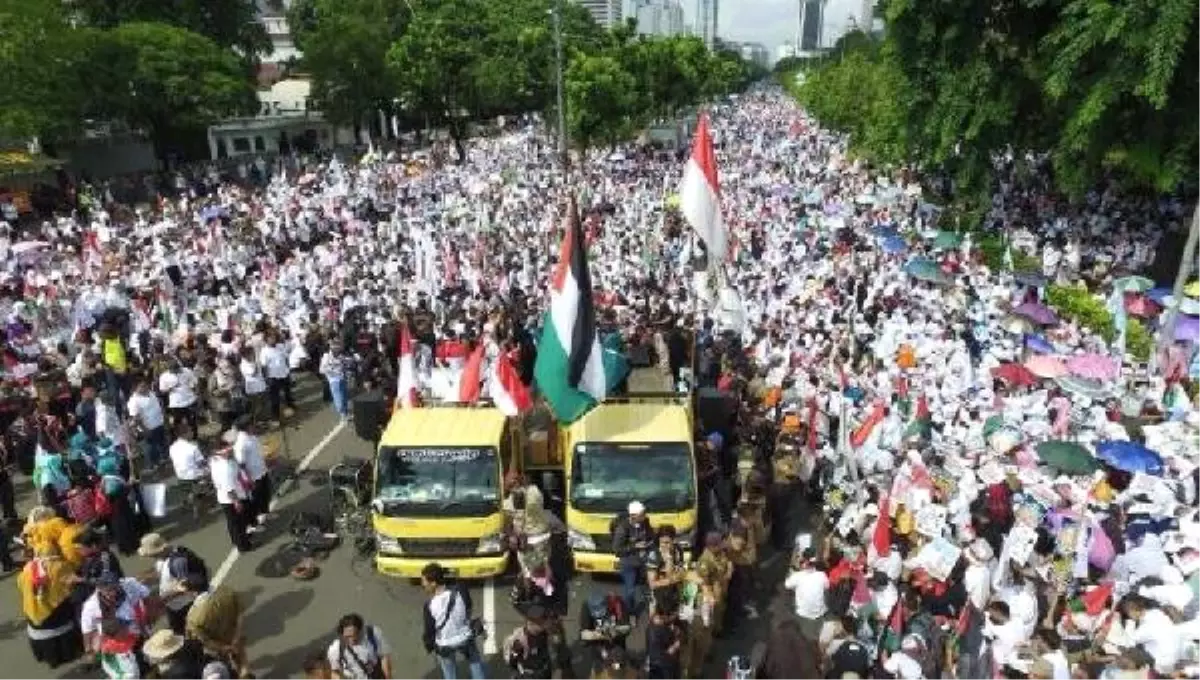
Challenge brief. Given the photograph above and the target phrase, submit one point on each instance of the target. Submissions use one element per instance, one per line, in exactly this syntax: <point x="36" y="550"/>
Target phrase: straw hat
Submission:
<point x="162" y="645"/>
<point x="152" y="545"/>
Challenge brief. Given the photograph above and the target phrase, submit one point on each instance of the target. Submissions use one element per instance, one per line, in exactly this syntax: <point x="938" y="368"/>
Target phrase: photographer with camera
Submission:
<point x="603" y="627"/>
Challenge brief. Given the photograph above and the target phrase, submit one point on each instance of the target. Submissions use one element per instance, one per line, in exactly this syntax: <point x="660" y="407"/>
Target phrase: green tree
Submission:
<point x="671" y="72"/>
<point x="228" y="23"/>
<point x="439" y="60"/>
<point x="345" y="45"/>
<point x="1125" y="74"/>
<point x="41" y="69"/>
<point x="170" y="81"/>
<point x="601" y="100"/>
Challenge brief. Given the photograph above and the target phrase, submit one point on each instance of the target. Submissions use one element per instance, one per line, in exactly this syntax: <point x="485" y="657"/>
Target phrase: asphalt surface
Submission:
<point x="288" y="620"/>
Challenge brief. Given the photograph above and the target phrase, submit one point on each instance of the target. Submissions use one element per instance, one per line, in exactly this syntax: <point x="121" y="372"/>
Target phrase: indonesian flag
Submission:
<point x="406" y="382"/>
<point x="860" y="435"/>
<point x="510" y="395"/>
<point x="468" y="385"/>
<point x="570" y="367"/>
<point x="700" y="194"/>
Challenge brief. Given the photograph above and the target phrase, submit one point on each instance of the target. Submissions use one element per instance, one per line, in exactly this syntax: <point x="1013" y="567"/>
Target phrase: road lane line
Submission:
<point x="489" y="617"/>
<point x="305" y="462"/>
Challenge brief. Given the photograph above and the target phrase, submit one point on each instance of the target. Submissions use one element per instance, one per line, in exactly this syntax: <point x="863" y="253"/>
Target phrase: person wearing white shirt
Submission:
<point x="1155" y="632"/>
<point x="147" y="414"/>
<point x="179" y="384"/>
<point x="254" y="383"/>
<point x="126" y="601"/>
<point x="232" y="495"/>
<point x="247" y="452"/>
<point x="333" y="367"/>
<point x="808" y="586"/>
<point x="190" y="466"/>
<point x="1004" y="634"/>
<point x="273" y="357"/>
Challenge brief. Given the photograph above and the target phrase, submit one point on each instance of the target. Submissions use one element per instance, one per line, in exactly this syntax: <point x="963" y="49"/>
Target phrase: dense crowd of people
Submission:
<point x="1002" y="493"/>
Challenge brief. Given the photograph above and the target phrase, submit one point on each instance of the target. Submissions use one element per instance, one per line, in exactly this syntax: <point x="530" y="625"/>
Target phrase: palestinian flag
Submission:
<point x="571" y="370"/>
<point x="921" y="425"/>
<point x="893" y="630"/>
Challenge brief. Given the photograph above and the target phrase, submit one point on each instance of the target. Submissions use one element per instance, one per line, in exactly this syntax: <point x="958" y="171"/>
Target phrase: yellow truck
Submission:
<point x="437" y="491"/>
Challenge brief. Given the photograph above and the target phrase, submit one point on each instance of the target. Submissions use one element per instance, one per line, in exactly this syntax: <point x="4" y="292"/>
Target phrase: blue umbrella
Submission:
<point x="884" y="231"/>
<point x="1158" y="294"/>
<point x="212" y="212"/>
<point x="893" y="244"/>
<point x="1039" y="344"/>
<point x="1130" y="457"/>
<point x="925" y="269"/>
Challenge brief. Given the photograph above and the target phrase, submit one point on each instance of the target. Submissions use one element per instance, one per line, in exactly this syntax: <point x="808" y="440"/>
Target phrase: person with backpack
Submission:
<point x="176" y="565"/>
<point x="449" y="628"/>
<point x="359" y="651"/>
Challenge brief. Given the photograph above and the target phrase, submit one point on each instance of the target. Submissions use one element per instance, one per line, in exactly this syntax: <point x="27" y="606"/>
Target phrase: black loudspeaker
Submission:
<point x="1165" y="266"/>
<point x="370" y="415"/>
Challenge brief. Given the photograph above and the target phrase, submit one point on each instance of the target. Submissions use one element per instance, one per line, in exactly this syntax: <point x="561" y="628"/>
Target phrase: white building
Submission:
<point x="660" y="17"/>
<point x="285" y="120"/>
<point x="607" y="13"/>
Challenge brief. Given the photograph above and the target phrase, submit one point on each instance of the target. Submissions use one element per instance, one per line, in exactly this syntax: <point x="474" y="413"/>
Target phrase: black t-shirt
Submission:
<point x="851" y="657"/>
<point x="659" y="639"/>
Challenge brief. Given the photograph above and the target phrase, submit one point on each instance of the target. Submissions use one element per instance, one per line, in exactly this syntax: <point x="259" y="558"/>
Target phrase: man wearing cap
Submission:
<point x="632" y="538"/>
<point x="172" y="656"/>
<point x="124" y="600"/>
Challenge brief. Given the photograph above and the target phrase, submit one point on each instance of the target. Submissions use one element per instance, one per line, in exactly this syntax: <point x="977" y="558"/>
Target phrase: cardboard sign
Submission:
<point x="931" y="520"/>
<point x="939" y="558"/>
<point x="1020" y="544"/>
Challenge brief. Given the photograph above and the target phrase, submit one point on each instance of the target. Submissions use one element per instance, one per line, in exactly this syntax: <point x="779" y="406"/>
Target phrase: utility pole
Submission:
<point x="563" y="146"/>
<point x="1167" y="334"/>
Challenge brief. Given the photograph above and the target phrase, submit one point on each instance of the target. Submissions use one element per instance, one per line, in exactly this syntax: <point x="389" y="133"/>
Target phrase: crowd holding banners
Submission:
<point x="981" y="519"/>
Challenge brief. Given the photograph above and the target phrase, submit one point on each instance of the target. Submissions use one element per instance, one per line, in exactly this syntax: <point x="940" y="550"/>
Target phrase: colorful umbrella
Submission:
<point x="1039" y="344"/>
<point x="1130" y="457"/>
<point x="1093" y="367"/>
<point x="1067" y="457"/>
<point x="1015" y="374"/>
<point x="947" y="240"/>
<point x="1187" y="329"/>
<point x="884" y="231"/>
<point x="1037" y="313"/>
<point x="1192" y="289"/>
<point x="893" y="245"/>
<point x="1133" y="284"/>
<point x="1186" y="305"/>
<point x="925" y="269"/>
<point x="1046" y="366"/>
<point x="992" y="425"/>
<point x="1017" y="325"/>
<point x="1141" y="306"/>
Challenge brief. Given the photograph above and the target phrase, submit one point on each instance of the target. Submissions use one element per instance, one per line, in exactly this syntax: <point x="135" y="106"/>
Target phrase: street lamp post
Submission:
<point x="560" y="103"/>
<point x="1167" y="334"/>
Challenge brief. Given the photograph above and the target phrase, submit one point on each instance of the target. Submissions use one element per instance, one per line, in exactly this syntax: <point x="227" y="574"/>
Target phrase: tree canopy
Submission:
<point x="1105" y="89"/>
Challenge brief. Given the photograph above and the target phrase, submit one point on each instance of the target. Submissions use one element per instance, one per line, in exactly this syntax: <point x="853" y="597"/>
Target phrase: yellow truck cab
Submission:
<point x="624" y="450"/>
<point x="437" y="492"/>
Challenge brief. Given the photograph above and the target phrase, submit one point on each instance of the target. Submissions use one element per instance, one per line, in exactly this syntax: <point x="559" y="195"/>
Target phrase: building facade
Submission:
<point x="810" y="26"/>
<point x="659" y="17"/>
<point x="286" y="120"/>
<point x="607" y="13"/>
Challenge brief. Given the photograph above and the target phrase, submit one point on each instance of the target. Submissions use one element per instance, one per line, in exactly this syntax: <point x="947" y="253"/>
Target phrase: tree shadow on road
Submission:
<point x="289" y="663"/>
<point x="269" y="618"/>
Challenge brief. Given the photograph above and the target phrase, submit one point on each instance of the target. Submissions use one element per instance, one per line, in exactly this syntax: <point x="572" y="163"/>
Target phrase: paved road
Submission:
<point x="288" y="620"/>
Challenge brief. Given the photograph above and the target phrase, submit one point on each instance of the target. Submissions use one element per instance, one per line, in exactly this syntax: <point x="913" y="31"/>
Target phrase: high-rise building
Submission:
<point x="867" y="21"/>
<point x="809" y="25"/>
<point x="659" y="17"/>
<point x="706" y="21"/>
<point x="607" y="13"/>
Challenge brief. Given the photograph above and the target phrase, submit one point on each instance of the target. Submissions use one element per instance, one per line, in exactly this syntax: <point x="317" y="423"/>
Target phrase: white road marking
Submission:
<point x="231" y="558"/>
<point x="489" y="617"/>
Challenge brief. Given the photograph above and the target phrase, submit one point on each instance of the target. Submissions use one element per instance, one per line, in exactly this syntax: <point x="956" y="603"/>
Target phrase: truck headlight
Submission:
<point x="579" y="540"/>
<point x="492" y="543"/>
<point x="388" y="544"/>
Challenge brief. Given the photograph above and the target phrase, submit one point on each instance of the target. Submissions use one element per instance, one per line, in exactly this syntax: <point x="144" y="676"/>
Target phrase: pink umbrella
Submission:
<point x="1046" y="366"/>
<point x="1092" y="367"/>
<point x="1140" y="305"/>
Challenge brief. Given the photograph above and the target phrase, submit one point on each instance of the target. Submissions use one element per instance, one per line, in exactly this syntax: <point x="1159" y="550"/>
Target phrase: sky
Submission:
<point x="773" y="22"/>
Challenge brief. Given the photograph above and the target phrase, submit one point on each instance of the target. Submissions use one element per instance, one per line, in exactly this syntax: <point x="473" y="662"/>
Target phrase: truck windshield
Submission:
<point x="606" y="477"/>
<point x="426" y="481"/>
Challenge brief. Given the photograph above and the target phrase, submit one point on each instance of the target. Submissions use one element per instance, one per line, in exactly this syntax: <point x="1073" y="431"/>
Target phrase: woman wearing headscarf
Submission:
<point x="50" y="477"/>
<point x="127" y="521"/>
<point x="46" y="584"/>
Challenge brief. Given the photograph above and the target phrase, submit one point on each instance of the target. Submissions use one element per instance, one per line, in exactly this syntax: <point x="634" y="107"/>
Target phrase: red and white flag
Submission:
<point x="406" y="382"/>
<point x="510" y="395"/>
<point x="700" y="194"/>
